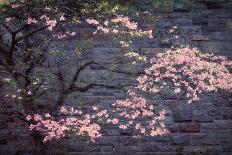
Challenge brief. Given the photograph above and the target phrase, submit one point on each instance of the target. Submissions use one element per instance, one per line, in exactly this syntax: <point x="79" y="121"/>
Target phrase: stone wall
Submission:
<point x="203" y="127"/>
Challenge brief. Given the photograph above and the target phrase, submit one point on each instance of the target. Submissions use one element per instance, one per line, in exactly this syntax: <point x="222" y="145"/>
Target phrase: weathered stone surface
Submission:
<point x="199" y="38"/>
<point x="200" y="20"/>
<point x="197" y="139"/>
<point x="190" y="127"/>
<point x="174" y="128"/>
<point x="208" y="126"/>
<point x="222" y="36"/>
<point x="201" y="116"/>
<point x="180" y="139"/>
<point x="223" y="124"/>
<point x="183" y="116"/>
<point x="227" y="116"/>
<point x="181" y="7"/>
<point x="213" y="47"/>
<point x="229" y="25"/>
<point x="221" y="102"/>
<point x="190" y="29"/>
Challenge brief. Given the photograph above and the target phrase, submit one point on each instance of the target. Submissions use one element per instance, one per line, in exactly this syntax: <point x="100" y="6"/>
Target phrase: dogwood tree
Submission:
<point x="25" y="70"/>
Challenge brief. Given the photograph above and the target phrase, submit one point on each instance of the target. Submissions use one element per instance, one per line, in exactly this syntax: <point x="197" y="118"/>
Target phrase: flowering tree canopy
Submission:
<point x="27" y="74"/>
<point x="187" y="70"/>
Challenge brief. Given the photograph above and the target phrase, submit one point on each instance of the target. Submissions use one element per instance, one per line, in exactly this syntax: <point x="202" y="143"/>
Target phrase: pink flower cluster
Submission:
<point x="188" y="70"/>
<point x="136" y="57"/>
<point x="31" y="21"/>
<point x="64" y="35"/>
<point x="125" y="21"/>
<point x="92" y="21"/>
<point x="133" y="110"/>
<point x="53" y="128"/>
<point x="120" y="25"/>
<point x="8" y="19"/>
<point x="13" y="6"/>
<point x="49" y="22"/>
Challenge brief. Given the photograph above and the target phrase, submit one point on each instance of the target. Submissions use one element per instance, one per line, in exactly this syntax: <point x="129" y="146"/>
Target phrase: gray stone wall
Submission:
<point x="203" y="127"/>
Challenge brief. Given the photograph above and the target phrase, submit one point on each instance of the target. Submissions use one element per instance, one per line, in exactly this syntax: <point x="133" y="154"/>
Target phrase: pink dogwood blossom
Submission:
<point x="133" y="109"/>
<point x="8" y="19"/>
<point x="13" y="6"/>
<point x="121" y="26"/>
<point x="188" y="70"/>
<point x="92" y="21"/>
<point x="53" y="128"/>
<point x="31" y="20"/>
<point x="49" y="22"/>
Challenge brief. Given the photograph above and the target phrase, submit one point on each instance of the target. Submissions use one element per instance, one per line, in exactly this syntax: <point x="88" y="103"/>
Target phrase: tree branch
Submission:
<point x="9" y="59"/>
<point x="31" y="33"/>
<point x="91" y="85"/>
<point x="78" y="72"/>
<point x="20" y="29"/>
<point x="16" y="114"/>
<point x="6" y="27"/>
<point x="118" y="71"/>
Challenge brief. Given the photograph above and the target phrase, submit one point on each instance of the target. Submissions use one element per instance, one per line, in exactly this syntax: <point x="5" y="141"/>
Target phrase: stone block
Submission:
<point x="110" y="132"/>
<point x="200" y="20"/>
<point x="191" y="29"/>
<point x="183" y="116"/>
<point x="196" y="139"/>
<point x="214" y="149"/>
<point x="227" y="116"/>
<point x="199" y="38"/>
<point x="221" y="36"/>
<point x="207" y="29"/>
<point x="189" y="127"/>
<point x="219" y="101"/>
<point x="163" y="24"/>
<point x="103" y="93"/>
<point x="222" y="134"/>
<point x="127" y="140"/>
<point x="94" y="148"/>
<point x="209" y="141"/>
<point x="150" y="147"/>
<point x="223" y="124"/>
<point x="212" y="47"/>
<point x="201" y="116"/>
<point x="174" y="128"/>
<point x="180" y="139"/>
<point x="124" y="150"/>
<point x="183" y="22"/>
<point x="227" y="148"/>
<point x="208" y="126"/>
<point x="181" y="7"/>
<point x="107" y="140"/>
<point x="195" y="150"/>
<point x="165" y="5"/>
<point x="229" y="25"/>
<point x="126" y="132"/>
<point x="214" y="112"/>
<point x="159" y="139"/>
